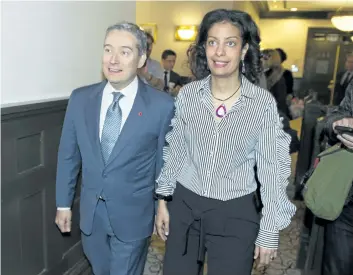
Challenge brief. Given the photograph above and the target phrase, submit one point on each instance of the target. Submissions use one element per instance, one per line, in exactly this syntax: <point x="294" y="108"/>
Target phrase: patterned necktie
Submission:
<point x="111" y="127"/>
<point x="165" y="81"/>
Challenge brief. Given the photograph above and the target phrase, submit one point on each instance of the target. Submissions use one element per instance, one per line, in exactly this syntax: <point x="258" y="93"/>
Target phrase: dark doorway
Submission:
<point x="326" y="50"/>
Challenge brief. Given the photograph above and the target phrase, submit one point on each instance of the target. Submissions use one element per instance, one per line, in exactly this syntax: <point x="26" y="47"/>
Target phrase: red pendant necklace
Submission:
<point x="221" y="110"/>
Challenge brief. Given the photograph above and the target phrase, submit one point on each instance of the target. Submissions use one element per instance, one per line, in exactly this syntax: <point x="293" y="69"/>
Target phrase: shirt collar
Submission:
<point x="129" y="91"/>
<point x="247" y="89"/>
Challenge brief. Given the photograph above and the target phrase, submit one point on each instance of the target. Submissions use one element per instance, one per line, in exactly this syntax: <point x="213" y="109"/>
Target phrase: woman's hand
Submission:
<point x="162" y="220"/>
<point x="266" y="255"/>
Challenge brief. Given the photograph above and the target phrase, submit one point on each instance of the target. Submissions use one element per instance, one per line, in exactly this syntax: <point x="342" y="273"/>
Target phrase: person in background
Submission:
<point x="114" y="132"/>
<point x="172" y="80"/>
<point x="343" y="80"/>
<point x="151" y="73"/>
<point x="287" y="74"/>
<point x="301" y="98"/>
<point x="262" y="83"/>
<point x="275" y="80"/>
<point x="338" y="244"/>
<point x="224" y="125"/>
<point x="148" y="78"/>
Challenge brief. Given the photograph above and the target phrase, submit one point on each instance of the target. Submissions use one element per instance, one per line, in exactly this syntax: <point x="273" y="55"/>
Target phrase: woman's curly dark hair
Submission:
<point x="249" y="33"/>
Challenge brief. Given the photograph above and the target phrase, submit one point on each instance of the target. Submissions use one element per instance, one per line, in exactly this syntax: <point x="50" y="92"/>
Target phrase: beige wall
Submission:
<point x="54" y="47"/>
<point x="169" y="14"/>
<point x="248" y="7"/>
<point x="291" y="36"/>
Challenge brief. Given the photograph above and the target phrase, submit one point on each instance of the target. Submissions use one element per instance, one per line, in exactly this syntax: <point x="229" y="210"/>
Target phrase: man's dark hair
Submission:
<point x="149" y="36"/>
<point x="166" y="53"/>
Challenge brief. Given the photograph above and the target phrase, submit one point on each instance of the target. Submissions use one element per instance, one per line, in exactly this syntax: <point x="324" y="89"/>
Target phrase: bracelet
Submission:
<point x="164" y="198"/>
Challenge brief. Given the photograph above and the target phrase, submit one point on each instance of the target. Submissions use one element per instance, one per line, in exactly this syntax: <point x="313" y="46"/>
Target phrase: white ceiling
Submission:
<point x="322" y="5"/>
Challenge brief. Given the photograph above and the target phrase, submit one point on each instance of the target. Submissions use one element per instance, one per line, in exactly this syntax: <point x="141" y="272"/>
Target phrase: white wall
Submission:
<point x="50" y="48"/>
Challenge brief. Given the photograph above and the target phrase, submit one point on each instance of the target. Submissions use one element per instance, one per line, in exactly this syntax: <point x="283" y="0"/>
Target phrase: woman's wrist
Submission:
<point x="160" y="197"/>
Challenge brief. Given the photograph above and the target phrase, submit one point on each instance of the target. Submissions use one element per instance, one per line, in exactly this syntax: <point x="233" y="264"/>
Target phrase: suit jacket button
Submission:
<point x="104" y="175"/>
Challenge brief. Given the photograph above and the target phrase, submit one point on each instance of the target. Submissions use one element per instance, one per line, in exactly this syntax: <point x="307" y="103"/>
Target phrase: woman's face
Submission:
<point x="224" y="49"/>
<point x="265" y="60"/>
<point x="271" y="59"/>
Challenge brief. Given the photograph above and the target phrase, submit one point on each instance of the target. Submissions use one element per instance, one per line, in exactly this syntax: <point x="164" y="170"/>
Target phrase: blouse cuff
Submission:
<point x="267" y="239"/>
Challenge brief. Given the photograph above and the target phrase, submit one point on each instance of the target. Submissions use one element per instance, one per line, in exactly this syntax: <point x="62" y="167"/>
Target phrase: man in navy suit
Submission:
<point x="114" y="132"/>
<point x="172" y="80"/>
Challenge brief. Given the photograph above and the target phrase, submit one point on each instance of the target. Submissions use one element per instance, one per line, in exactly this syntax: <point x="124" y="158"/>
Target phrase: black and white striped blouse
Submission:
<point x="216" y="159"/>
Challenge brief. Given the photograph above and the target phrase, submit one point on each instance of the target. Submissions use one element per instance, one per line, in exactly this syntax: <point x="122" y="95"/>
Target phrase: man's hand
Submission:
<point x="63" y="220"/>
<point x="347" y="140"/>
<point x="266" y="255"/>
<point x="162" y="220"/>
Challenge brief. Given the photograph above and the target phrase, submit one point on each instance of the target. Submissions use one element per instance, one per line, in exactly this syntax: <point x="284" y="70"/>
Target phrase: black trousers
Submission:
<point x="338" y="250"/>
<point x="227" y="230"/>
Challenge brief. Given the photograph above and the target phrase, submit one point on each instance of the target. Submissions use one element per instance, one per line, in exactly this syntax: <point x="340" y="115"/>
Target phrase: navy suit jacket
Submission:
<point x="175" y="78"/>
<point x="128" y="178"/>
<point x="340" y="90"/>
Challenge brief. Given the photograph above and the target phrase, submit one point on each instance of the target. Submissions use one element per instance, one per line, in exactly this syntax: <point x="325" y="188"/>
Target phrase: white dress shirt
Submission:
<point x="125" y="104"/>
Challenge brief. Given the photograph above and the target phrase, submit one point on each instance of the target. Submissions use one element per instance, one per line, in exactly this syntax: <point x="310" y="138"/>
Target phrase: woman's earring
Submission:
<point x="242" y="66"/>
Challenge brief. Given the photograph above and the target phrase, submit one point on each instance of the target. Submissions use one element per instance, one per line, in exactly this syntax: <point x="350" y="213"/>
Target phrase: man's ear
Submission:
<point x="142" y="61"/>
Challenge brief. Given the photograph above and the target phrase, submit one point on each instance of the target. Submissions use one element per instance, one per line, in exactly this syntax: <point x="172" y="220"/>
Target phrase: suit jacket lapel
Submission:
<point x="175" y="78"/>
<point x="134" y="123"/>
<point x="172" y="77"/>
<point x="93" y="108"/>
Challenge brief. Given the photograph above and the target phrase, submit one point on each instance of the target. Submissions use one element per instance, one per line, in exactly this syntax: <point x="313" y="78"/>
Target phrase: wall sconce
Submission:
<point x="185" y="33"/>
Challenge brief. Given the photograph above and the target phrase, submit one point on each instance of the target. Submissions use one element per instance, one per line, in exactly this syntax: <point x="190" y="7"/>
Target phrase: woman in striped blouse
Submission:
<point x="224" y="127"/>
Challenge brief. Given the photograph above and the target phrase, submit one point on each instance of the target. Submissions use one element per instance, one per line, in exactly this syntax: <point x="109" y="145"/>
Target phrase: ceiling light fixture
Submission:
<point x="343" y="22"/>
<point x="293" y="9"/>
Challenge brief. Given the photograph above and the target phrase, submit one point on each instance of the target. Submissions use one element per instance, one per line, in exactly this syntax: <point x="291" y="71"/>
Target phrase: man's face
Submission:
<point x="169" y="62"/>
<point x="121" y="58"/>
<point x="349" y="63"/>
<point x="149" y="47"/>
